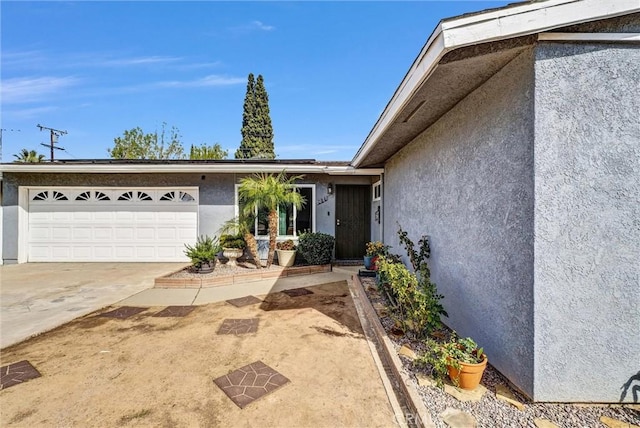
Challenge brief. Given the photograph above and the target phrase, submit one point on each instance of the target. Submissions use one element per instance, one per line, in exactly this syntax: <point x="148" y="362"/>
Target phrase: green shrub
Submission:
<point x="414" y="298"/>
<point x="232" y="241"/>
<point x="205" y="250"/>
<point x="316" y="248"/>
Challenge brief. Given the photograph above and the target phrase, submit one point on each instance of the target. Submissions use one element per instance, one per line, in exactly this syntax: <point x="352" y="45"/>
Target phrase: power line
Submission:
<point x="55" y="133"/>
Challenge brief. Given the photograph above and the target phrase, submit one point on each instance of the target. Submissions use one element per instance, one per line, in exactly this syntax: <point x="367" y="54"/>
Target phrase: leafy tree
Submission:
<point x="269" y="191"/>
<point x="135" y="144"/>
<point x="257" y="131"/>
<point x="28" y="156"/>
<point x="204" y="152"/>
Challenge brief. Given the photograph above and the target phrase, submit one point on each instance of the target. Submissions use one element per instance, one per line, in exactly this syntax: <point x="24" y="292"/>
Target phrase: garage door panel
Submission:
<point x="61" y="233"/>
<point x="103" y="216"/>
<point x="85" y="228"/>
<point x="144" y="216"/>
<point x="81" y="252"/>
<point x="61" y="216"/>
<point x="145" y="253"/>
<point x="165" y="233"/>
<point x="147" y="233"/>
<point x="103" y="252"/>
<point x="82" y="233"/>
<point x="101" y="233"/>
<point x="40" y="233"/>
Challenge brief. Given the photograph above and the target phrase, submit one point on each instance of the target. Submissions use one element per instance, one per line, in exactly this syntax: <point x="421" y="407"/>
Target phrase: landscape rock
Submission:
<point x="424" y="380"/>
<point x="615" y="423"/>
<point x="504" y="393"/>
<point x="457" y="418"/>
<point x="544" y="423"/>
<point x="407" y="352"/>
<point x="464" y="395"/>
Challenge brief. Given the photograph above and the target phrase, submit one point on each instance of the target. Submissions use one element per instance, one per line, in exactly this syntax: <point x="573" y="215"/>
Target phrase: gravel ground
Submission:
<point x="491" y="412"/>
<point x="222" y="269"/>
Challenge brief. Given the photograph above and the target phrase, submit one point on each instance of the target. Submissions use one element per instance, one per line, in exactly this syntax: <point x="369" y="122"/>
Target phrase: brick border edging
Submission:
<point x="411" y="396"/>
<point x="215" y="281"/>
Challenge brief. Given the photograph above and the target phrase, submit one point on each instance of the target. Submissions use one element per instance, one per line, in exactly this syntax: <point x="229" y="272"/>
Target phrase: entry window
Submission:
<point x="291" y="221"/>
<point x="377" y="191"/>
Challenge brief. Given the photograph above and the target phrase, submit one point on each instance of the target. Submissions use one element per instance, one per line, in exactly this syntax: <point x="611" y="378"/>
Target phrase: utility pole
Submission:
<point x="55" y="133"/>
<point x="1" y="131"/>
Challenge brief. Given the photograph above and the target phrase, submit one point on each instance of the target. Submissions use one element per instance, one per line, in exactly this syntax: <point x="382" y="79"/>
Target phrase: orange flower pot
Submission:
<point x="469" y="375"/>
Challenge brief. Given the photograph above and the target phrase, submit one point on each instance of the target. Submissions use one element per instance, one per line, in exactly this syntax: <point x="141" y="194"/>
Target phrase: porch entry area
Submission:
<point x="353" y="221"/>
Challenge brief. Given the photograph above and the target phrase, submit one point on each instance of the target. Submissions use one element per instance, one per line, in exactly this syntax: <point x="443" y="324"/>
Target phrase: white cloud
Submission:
<point x="28" y="89"/>
<point x="258" y="25"/>
<point x="27" y="113"/>
<point x="207" y="81"/>
<point x="135" y="61"/>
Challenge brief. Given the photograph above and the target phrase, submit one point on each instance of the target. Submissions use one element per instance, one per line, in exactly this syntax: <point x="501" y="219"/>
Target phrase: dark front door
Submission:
<point x="353" y="221"/>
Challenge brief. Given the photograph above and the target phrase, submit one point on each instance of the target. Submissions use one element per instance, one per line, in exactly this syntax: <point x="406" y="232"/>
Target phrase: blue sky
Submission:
<point x="96" y="69"/>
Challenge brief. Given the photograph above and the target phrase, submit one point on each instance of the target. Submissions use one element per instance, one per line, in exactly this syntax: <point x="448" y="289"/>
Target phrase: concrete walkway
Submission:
<point x="202" y="296"/>
<point x="37" y="297"/>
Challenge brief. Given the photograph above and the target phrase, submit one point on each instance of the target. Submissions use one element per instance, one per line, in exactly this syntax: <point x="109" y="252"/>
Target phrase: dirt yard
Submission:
<point x="156" y="371"/>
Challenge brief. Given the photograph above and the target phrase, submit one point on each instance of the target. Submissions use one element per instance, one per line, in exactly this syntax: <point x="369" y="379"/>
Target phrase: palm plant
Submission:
<point x="29" y="156"/>
<point x="269" y="191"/>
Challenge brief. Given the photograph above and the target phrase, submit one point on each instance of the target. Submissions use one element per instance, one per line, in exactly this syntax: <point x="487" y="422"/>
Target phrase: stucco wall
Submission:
<point x="587" y="221"/>
<point x="467" y="181"/>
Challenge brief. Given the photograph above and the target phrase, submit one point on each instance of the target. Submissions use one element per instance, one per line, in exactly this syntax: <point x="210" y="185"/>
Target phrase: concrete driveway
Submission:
<point x="36" y="297"/>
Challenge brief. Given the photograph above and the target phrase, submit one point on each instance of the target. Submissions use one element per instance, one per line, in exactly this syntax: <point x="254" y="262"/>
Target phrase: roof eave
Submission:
<point x="498" y="24"/>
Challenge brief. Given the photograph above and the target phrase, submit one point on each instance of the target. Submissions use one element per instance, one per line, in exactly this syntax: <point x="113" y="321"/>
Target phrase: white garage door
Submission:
<point x="111" y="224"/>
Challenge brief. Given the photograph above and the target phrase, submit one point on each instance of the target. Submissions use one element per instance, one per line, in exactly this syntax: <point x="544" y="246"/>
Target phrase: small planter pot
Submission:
<point x="469" y="375"/>
<point x="286" y="258"/>
<point x="207" y="267"/>
<point x="367" y="262"/>
<point x="232" y="254"/>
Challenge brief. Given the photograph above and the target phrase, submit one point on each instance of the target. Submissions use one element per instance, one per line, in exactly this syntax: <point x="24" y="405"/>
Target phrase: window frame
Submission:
<point x="377" y="185"/>
<point x="296" y="234"/>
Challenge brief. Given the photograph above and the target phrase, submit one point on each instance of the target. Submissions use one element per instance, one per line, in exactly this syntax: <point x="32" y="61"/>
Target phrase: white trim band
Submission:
<point x="590" y="37"/>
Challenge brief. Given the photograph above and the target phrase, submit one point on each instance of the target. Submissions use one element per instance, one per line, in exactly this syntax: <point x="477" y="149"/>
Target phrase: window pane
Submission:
<point x="263" y="221"/>
<point x="285" y="225"/>
<point x="303" y="216"/>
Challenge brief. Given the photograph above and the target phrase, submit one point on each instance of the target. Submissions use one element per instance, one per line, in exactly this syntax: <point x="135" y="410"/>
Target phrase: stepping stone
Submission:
<point x="405" y="351"/>
<point x="295" y="292"/>
<point x="239" y="326"/>
<point x="175" y="311"/>
<point x="424" y="380"/>
<point x="123" y="312"/>
<point x="246" y="384"/>
<point x="464" y="395"/>
<point x="457" y="418"/>
<point x="503" y="393"/>
<point x="615" y="423"/>
<point x="544" y="423"/>
<point x="244" y="301"/>
<point x="16" y="373"/>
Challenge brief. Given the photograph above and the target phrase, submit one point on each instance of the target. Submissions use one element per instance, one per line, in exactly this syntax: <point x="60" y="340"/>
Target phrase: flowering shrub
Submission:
<point x="377" y="248"/>
<point x="286" y="245"/>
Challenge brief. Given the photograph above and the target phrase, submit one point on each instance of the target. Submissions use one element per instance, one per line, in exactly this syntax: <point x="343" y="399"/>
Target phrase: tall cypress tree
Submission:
<point x="263" y="119"/>
<point x="257" y="132"/>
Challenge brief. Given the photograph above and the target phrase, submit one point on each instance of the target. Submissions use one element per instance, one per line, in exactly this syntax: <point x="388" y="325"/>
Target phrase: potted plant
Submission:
<point x="375" y="249"/>
<point x="459" y="358"/>
<point x="286" y="252"/>
<point x="203" y="253"/>
<point x="232" y="247"/>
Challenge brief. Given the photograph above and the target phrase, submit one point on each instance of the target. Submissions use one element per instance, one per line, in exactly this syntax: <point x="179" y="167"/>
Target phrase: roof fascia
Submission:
<point x="508" y="22"/>
<point x="191" y="168"/>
